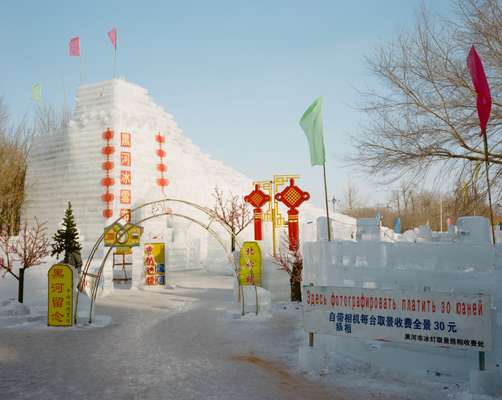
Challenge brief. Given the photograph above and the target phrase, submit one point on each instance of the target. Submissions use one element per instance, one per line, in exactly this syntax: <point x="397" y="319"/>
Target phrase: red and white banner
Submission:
<point x="427" y="318"/>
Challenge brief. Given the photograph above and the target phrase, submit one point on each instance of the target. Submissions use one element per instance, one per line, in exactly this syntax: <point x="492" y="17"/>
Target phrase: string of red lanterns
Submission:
<point x="107" y="166"/>
<point x="161" y="167"/>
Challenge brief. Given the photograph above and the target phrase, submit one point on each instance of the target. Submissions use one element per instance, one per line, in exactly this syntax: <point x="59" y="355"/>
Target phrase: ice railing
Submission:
<point x="470" y="268"/>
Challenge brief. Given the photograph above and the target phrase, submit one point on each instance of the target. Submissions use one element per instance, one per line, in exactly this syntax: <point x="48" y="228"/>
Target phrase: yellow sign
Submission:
<point x="60" y="295"/>
<point x="123" y="250"/>
<point x="250" y="262"/>
<point x="155" y="264"/>
<point x="117" y="235"/>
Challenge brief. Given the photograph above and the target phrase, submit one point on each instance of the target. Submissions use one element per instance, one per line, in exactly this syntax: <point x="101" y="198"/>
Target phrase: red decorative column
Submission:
<point x="107" y="181"/>
<point x="292" y="197"/>
<point x="257" y="198"/>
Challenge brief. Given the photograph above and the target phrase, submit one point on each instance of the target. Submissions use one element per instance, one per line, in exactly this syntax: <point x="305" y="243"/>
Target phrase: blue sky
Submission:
<point x="237" y="75"/>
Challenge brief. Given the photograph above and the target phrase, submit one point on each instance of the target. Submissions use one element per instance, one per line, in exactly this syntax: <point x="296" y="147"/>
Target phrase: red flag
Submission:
<point x="75" y="46"/>
<point x="113" y="37"/>
<point x="484" y="99"/>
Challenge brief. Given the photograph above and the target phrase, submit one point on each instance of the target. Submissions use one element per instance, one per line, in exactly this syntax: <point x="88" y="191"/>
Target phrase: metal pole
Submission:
<point x="326" y="198"/>
<point x="114" y="63"/>
<point x="441" y="214"/>
<point x="311" y="334"/>
<point x="115" y="56"/>
<point x="487" y="167"/>
<point x="481" y="360"/>
<point x="273" y="230"/>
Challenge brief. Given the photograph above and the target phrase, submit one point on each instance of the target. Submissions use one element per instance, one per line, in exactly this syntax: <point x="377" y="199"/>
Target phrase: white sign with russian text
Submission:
<point x="428" y="318"/>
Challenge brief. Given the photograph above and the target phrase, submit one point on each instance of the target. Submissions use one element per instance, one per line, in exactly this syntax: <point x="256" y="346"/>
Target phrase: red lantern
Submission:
<point x="160" y="138"/>
<point x="161" y="168"/>
<point x="107" y="213"/>
<point x="108" y="134"/>
<point x="162" y="182"/>
<point x="107" y="197"/>
<point x="107" y="181"/>
<point x="108" y="165"/>
<point x="108" y="150"/>
<point x="257" y="198"/>
<point x="292" y="197"/>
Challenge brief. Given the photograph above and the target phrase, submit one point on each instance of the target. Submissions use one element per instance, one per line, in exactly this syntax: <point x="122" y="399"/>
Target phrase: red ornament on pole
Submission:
<point x="292" y="197"/>
<point x="257" y="198"/>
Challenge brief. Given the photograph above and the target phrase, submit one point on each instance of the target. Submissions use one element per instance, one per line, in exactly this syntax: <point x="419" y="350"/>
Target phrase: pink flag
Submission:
<point x="75" y="46"/>
<point x="484" y="99"/>
<point x="113" y="37"/>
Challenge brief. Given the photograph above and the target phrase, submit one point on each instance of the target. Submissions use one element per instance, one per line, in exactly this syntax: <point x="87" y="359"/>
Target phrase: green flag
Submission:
<point x="311" y="123"/>
<point x="36" y="92"/>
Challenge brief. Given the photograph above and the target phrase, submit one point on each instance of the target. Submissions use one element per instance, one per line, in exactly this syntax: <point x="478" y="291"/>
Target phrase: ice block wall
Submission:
<point x="468" y="264"/>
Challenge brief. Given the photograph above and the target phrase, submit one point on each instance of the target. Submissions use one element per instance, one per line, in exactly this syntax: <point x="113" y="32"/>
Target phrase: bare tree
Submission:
<point x="233" y="212"/>
<point x="14" y="146"/>
<point x="30" y="248"/>
<point x="422" y="119"/>
<point x="48" y="120"/>
<point x="291" y="261"/>
<point x="15" y="141"/>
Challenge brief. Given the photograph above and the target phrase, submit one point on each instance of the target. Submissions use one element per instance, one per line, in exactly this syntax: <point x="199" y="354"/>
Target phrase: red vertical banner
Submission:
<point x="480" y="83"/>
<point x="126" y="179"/>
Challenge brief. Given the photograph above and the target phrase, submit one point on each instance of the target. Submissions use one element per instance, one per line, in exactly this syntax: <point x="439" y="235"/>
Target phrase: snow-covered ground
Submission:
<point x="184" y="343"/>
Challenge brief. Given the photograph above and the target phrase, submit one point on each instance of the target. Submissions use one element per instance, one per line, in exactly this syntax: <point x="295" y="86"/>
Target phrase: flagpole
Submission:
<point x="487" y="166"/>
<point x="80" y="56"/>
<point x="326" y="199"/>
<point x="115" y="56"/>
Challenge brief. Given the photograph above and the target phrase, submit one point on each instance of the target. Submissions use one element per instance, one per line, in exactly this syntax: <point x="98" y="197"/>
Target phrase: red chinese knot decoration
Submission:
<point x="257" y="198"/>
<point x="292" y="197"/>
<point x="107" y="181"/>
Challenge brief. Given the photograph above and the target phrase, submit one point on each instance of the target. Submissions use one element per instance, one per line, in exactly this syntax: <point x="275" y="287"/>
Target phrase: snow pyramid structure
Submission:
<point x="119" y="151"/>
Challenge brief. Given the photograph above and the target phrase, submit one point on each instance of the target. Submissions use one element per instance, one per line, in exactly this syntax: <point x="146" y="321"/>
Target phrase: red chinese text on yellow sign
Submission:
<point x="125" y="158"/>
<point x="125" y="139"/>
<point x="250" y="263"/>
<point x="60" y="295"/>
<point x="125" y="177"/>
<point x="126" y="213"/>
<point x="125" y="196"/>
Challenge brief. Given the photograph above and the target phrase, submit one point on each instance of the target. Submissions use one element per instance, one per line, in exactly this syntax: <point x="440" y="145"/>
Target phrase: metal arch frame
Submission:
<point x="207" y="211"/>
<point x="213" y="216"/>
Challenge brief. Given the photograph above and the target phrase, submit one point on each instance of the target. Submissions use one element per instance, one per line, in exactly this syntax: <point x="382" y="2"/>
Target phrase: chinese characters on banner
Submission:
<point x="125" y="176"/>
<point x="155" y="264"/>
<point x="60" y="295"/>
<point x="250" y="263"/>
<point x="426" y="318"/>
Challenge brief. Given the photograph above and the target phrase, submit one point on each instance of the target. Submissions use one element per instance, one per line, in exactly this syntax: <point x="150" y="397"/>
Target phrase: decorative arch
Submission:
<point x="213" y="217"/>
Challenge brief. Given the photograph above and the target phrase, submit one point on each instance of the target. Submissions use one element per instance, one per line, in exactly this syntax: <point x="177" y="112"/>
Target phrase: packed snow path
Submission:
<point x="169" y="344"/>
<point x="186" y="343"/>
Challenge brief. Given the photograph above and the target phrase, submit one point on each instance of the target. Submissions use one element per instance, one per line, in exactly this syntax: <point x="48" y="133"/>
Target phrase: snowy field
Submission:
<point x="184" y="343"/>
